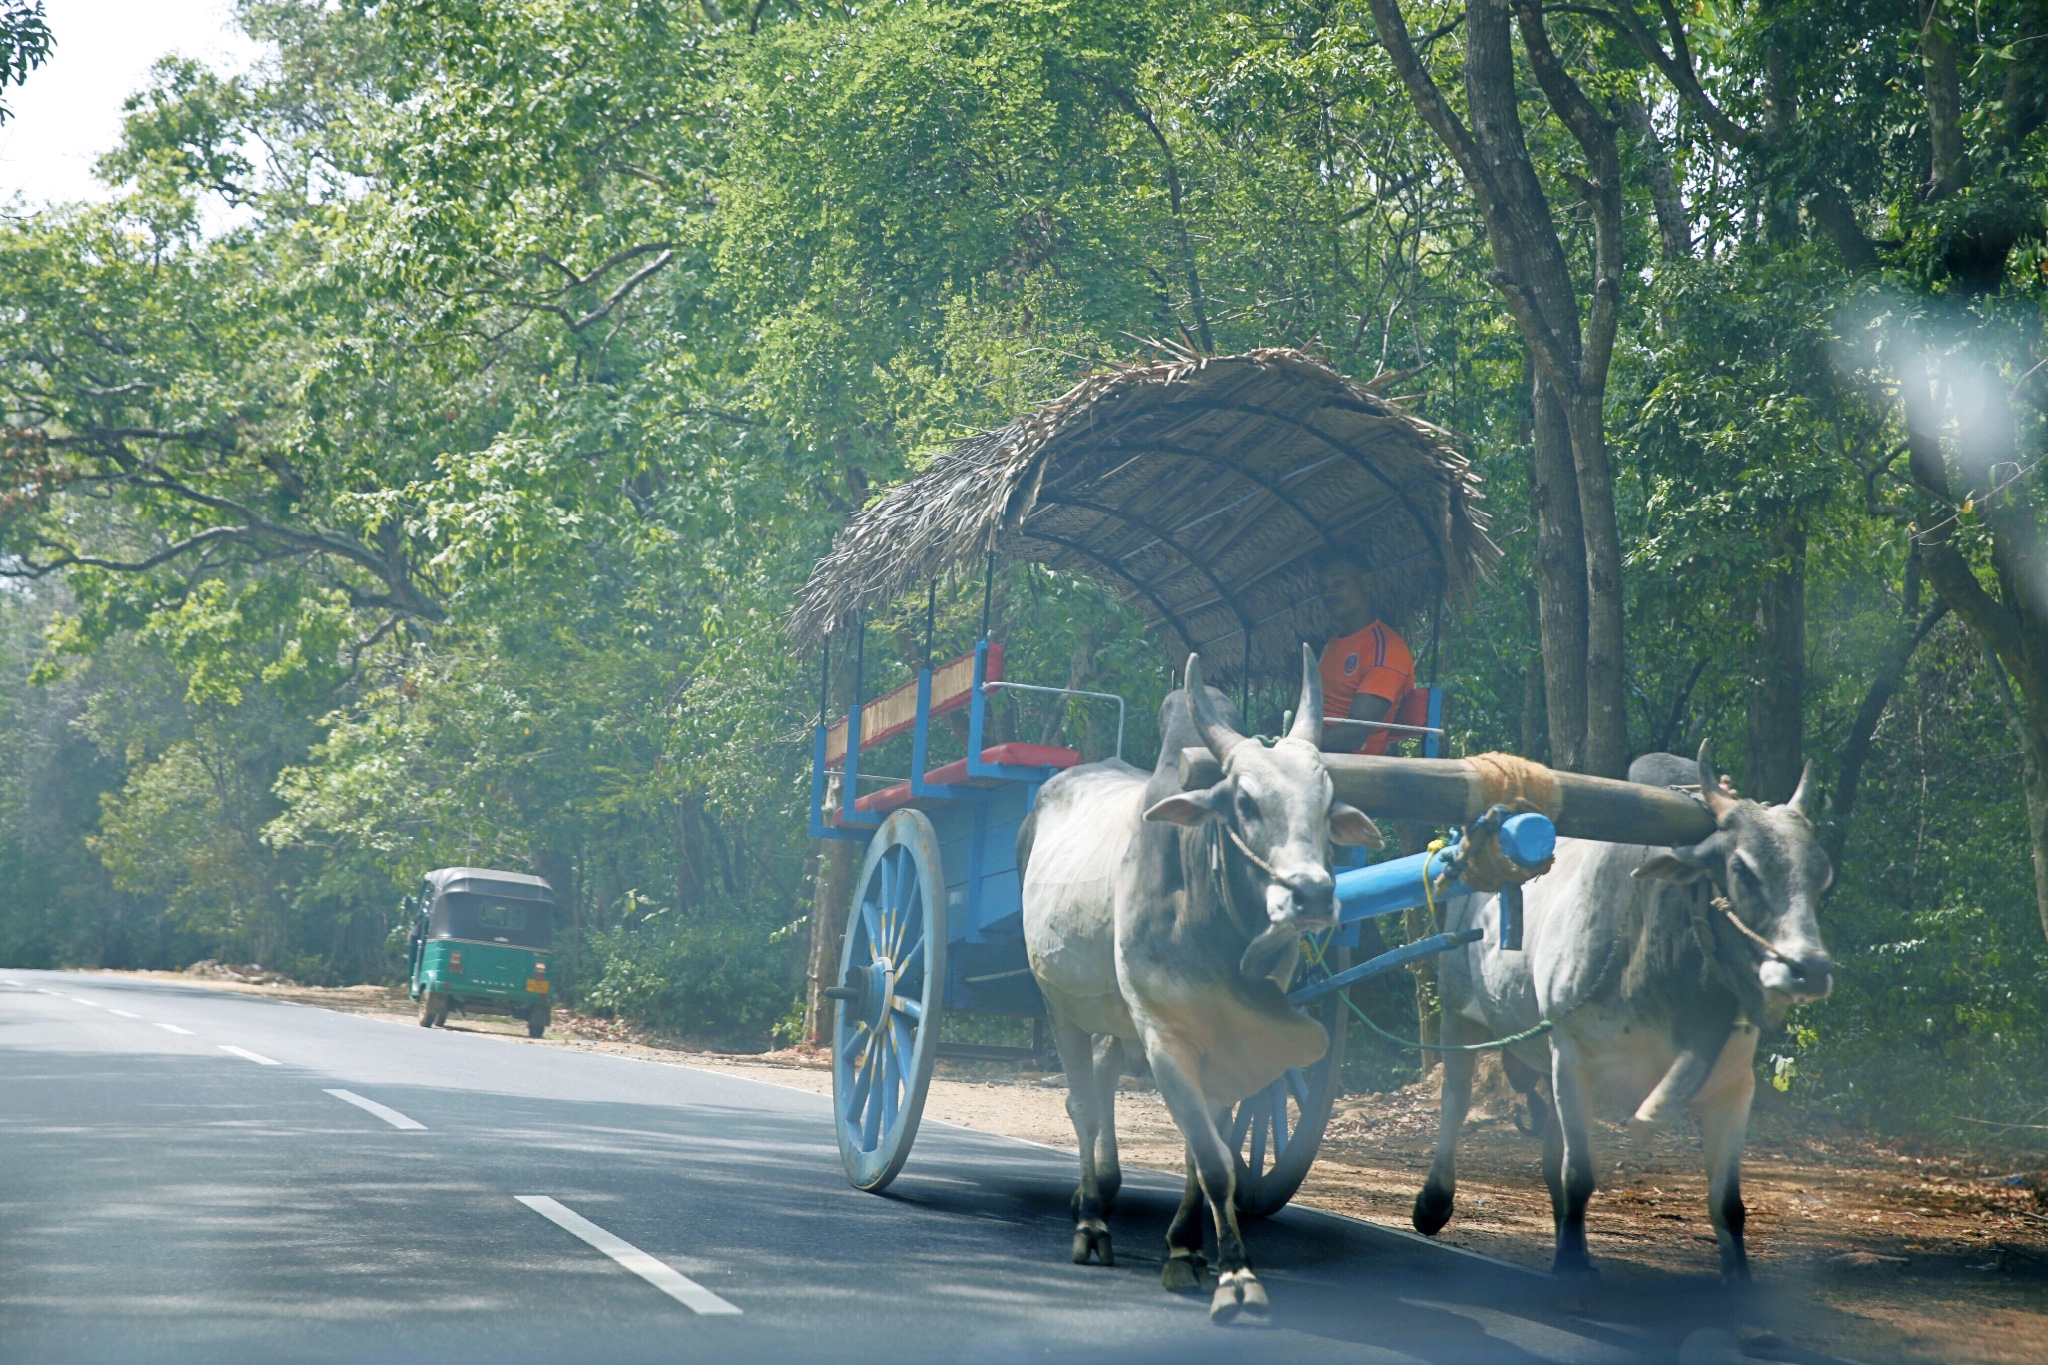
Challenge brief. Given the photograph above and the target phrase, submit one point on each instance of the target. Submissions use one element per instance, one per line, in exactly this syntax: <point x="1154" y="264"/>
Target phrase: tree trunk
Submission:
<point x="2036" y="784"/>
<point x="1776" y="709"/>
<point x="1560" y="577"/>
<point x="1949" y="168"/>
<point x="828" y="922"/>
<point x="1674" y="231"/>
<point x="1535" y="744"/>
<point x="1604" y="752"/>
<point x="1856" y="752"/>
<point x="832" y="889"/>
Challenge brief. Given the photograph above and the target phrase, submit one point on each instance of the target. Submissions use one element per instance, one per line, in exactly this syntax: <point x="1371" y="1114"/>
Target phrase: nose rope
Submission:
<point x="1727" y="908"/>
<point x="1220" y="870"/>
<point x="1245" y="849"/>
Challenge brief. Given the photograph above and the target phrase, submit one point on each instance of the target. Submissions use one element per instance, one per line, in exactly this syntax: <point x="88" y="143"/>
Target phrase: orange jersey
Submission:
<point x="1373" y="663"/>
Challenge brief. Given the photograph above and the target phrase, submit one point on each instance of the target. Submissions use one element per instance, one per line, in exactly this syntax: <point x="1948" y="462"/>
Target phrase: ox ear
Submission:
<point x="1678" y="865"/>
<point x="1188" y="808"/>
<point x="1687" y="864"/>
<point x="1350" y="825"/>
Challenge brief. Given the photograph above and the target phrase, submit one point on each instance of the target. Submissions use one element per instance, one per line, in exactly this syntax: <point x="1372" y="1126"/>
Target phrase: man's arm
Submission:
<point x="1365" y="706"/>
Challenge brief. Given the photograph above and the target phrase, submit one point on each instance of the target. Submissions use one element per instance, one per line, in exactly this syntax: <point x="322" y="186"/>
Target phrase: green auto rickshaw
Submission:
<point x="480" y="944"/>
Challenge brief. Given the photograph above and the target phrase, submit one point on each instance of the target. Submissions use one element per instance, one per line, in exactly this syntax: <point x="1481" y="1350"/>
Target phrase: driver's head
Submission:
<point x="1347" y="592"/>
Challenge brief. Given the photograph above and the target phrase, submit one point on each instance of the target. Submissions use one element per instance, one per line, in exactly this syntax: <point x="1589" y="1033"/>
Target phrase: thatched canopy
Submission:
<point x="1204" y="491"/>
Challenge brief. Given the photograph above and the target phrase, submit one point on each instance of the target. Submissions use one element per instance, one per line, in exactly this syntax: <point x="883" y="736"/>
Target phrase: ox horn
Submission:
<point x="1718" y="801"/>
<point x="1802" y="795"/>
<point x="1216" y="733"/>
<point x="1308" y="717"/>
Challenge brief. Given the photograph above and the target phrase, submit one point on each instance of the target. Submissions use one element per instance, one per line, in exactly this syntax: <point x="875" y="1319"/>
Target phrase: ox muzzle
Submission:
<point x="1800" y="977"/>
<point x="1299" y="900"/>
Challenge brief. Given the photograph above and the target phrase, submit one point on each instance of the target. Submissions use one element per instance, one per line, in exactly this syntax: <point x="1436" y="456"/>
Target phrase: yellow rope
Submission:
<point x="1436" y="846"/>
<point x="1513" y="781"/>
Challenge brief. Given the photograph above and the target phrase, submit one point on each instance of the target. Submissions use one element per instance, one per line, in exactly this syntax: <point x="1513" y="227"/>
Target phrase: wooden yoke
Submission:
<point x="1457" y="791"/>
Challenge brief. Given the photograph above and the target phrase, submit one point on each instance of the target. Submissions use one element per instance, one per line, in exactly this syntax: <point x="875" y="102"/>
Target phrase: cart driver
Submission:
<point x="1366" y="668"/>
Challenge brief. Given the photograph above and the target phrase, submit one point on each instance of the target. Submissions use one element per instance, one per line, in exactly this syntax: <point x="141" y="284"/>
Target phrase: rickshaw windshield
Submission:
<point x="492" y="919"/>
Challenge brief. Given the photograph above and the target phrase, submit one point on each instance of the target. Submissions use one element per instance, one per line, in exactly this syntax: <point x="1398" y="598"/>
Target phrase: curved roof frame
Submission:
<point x="1159" y="537"/>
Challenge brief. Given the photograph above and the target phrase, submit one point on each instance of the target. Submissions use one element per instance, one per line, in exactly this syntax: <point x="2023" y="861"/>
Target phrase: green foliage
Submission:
<point x="710" y="978"/>
<point x="448" y="507"/>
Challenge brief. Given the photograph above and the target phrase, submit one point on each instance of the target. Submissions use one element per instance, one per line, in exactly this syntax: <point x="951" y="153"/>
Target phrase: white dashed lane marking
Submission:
<point x="123" y="1013"/>
<point x="173" y="1028"/>
<point x="76" y="1001"/>
<point x="662" y="1276"/>
<point x="389" y="1115"/>
<point x="255" y="1057"/>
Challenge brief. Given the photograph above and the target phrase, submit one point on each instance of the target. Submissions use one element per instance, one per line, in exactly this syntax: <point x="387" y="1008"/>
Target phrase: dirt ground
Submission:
<point x="1873" y="1250"/>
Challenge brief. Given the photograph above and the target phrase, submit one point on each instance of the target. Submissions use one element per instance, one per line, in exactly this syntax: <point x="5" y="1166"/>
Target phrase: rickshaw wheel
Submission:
<point x="891" y="991"/>
<point x="1274" y="1135"/>
<point x="537" y="1020"/>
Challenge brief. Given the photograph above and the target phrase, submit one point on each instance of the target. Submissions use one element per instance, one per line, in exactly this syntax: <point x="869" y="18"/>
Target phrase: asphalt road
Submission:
<point x="179" y="1182"/>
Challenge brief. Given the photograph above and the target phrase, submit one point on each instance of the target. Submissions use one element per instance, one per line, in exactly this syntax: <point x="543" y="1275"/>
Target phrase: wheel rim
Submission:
<point x="893" y="966"/>
<point x="1274" y="1134"/>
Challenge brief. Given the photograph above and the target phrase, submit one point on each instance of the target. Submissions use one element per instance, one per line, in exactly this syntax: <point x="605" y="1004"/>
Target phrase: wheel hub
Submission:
<point x="867" y="991"/>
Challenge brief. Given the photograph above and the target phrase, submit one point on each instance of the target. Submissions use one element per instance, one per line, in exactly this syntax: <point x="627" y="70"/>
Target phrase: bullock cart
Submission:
<point x="1206" y="493"/>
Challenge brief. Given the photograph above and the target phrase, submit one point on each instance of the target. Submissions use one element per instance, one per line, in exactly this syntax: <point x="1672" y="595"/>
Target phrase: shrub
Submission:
<point x="715" y="979"/>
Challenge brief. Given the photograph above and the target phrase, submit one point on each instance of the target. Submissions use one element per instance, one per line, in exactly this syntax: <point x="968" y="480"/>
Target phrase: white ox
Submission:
<point x="1171" y="921"/>
<point x="1658" y="967"/>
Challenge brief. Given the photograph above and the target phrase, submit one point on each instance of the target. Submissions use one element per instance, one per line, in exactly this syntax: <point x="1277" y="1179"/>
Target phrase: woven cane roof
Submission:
<point x="1204" y="490"/>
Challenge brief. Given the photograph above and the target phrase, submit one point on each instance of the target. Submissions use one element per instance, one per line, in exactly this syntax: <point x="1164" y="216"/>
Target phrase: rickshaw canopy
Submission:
<point x="484" y="905"/>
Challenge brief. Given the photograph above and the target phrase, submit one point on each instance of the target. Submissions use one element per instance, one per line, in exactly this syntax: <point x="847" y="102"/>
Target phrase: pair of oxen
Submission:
<point x="1656" y="968"/>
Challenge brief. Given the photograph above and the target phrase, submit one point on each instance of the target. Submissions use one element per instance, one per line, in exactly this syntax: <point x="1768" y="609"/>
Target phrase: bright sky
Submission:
<point x="70" y="109"/>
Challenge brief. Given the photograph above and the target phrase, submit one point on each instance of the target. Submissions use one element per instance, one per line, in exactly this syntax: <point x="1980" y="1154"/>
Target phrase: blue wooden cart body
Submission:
<point x="965" y="841"/>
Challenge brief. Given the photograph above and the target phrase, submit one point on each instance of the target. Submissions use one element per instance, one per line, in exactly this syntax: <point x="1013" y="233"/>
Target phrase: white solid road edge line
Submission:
<point x="255" y="1057"/>
<point x="389" y="1115"/>
<point x="173" y="1028"/>
<point x="662" y="1276"/>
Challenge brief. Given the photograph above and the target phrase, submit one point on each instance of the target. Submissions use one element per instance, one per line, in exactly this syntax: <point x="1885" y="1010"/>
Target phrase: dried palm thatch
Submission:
<point x="1205" y="491"/>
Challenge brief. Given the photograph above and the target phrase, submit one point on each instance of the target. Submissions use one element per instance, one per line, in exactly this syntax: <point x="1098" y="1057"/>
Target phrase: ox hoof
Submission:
<point x="1432" y="1210"/>
<point x="1239" y="1298"/>
<point x="1182" y="1274"/>
<point x="1091" y="1243"/>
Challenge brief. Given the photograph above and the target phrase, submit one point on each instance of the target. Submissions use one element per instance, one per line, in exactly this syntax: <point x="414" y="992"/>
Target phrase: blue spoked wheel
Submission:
<point x="892" y="975"/>
<point x="1275" y="1133"/>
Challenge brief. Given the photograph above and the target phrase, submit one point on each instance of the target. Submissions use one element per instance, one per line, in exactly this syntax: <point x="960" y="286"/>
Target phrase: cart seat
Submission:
<point x="955" y="773"/>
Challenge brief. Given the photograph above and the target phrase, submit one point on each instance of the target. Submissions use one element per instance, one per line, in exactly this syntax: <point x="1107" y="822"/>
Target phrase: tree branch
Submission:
<point x="67" y="560"/>
<point x="1430" y="101"/>
<point x="404" y="595"/>
<point x="1594" y="132"/>
<point x="1676" y="65"/>
<point x="1196" y="302"/>
<point x="626" y="287"/>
